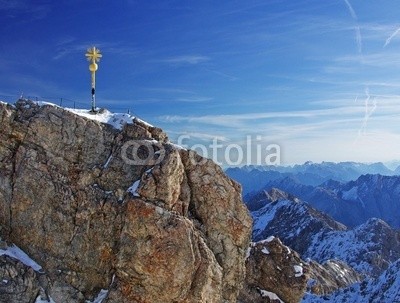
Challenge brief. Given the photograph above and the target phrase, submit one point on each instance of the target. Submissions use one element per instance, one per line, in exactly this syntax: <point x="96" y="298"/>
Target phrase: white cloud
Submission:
<point x="194" y="99"/>
<point x="234" y="120"/>
<point x="187" y="59"/>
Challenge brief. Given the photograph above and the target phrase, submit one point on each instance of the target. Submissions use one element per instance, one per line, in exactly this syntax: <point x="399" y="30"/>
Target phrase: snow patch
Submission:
<point x="267" y="240"/>
<point x="142" y="121"/>
<point x="265" y="251"/>
<point x="351" y="194"/>
<point x="40" y="300"/>
<point x="133" y="189"/>
<point x="270" y="295"/>
<point x="298" y="269"/>
<point x="265" y="215"/>
<point x="100" y="297"/>
<point x="117" y="120"/>
<point x="248" y="252"/>
<point x="177" y="146"/>
<point x="149" y="171"/>
<point x="15" y="252"/>
<point x="107" y="162"/>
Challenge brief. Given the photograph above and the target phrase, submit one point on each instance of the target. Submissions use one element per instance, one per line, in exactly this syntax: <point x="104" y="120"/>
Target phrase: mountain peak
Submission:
<point x="106" y="203"/>
<point x="275" y="194"/>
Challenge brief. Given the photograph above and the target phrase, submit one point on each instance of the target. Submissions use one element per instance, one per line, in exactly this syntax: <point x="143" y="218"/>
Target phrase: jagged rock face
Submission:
<point x="272" y="267"/>
<point x="301" y="222"/>
<point x="330" y="276"/>
<point x="370" y="248"/>
<point x="180" y="237"/>
<point x="19" y="283"/>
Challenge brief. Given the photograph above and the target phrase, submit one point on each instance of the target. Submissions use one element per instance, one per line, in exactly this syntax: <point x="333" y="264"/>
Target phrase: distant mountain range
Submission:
<point x="253" y="178"/>
<point x="349" y="202"/>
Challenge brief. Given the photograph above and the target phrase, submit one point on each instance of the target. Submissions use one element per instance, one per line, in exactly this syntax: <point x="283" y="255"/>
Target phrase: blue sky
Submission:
<point x="321" y="79"/>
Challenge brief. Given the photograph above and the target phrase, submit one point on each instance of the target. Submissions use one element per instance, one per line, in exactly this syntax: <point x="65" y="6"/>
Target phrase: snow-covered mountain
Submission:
<point x="253" y="178"/>
<point x="369" y="248"/>
<point x="351" y="203"/>
<point x="384" y="289"/>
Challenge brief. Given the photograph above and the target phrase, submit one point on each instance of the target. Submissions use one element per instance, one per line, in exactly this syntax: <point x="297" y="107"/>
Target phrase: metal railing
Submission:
<point x="60" y="101"/>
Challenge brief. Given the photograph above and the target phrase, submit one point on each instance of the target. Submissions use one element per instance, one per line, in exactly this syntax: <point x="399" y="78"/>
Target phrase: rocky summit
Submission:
<point x="113" y="212"/>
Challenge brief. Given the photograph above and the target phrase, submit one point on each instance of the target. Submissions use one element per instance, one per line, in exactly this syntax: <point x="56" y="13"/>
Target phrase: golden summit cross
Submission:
<point x="93" y="55"/>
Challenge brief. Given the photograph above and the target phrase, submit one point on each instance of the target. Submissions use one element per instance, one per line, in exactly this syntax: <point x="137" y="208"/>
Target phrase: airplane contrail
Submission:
<point x="368" y="112"/>
<point x="357" y="28"/>
<point x="388" y="40"/>
<point x="351" y="10"/>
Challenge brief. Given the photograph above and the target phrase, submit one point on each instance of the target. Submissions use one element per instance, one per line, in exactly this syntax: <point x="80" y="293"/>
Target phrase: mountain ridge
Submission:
<point x="368" y="248"/>
<point x="351" y="203"/>
<point x="253" y="178"/>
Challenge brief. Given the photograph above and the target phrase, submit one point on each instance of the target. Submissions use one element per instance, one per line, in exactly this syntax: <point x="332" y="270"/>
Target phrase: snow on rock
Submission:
<point x="368" y="248"/>
<point x="107" y="162"/>
<point x="270" y="295"/>
<point x="363" y="248"/>
<point x="269" y="239"/>
<point x="272" y="268"/>
<point x="15" y="252"/>
<point x="248" y="252"/>
<point x="117" y="120"/>
<point x="298" y="269"/>
<point x="265" y="251"/>
<point x="351" y="194"/>
<point x="100" y="297"/>
<point x="40" y="300"/>
<point x="386" y="288"/>
<point x="133" y="189"/>
<point x="265" y="215"/>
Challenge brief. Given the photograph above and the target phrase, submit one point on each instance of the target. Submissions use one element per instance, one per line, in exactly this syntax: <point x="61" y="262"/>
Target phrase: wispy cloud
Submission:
<point x="69" y="46"/>
<point x="369" y="110"/>
<point x="357" y="27"/>
<point x="394" y="34"/>
<point x="351" y="113"/>
<point x="168" y="90"/>
<point x="237" y="119"/>
<point x="201" y="136"/>
<point x="374" y="59"/>
<point x="194" y="99"/>
<point x="17" y="4"/>
<point x="186" y="59"/>
<point x="224" y="75"/>
<point x="351" y="10"/>
<point x="13" y="8"/>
